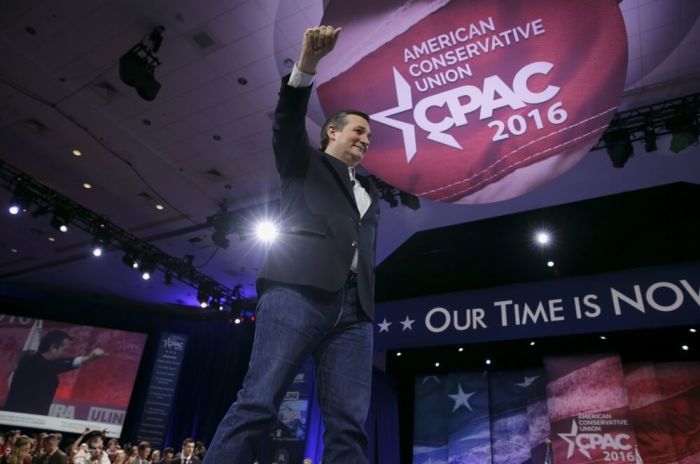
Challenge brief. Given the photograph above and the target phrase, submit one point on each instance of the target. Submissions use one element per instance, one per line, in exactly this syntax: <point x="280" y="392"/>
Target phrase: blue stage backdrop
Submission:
<point x="632" y="299"/>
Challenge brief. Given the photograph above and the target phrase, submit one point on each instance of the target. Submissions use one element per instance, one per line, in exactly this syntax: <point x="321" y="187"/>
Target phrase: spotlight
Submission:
<point x="237" y="321"/>
<point x="130" y="261"/>
<point x="137" y="66"/>
<point x="97" y="250"/>
<point x="148" y="268"/>
<point x="99" y="245"/>
<point x="398" y="353"/>
<point x="550" y="263"/>
<point x="619" y="147"/>
<point x="203" y="294"/>
<point x="543" y="238"/>
<point x="488" y="362"/>
<point x="266" y="231"/>
<point x="21" y="201"/>
<point x="60" y="221"/>
<point x="684" y="128"/>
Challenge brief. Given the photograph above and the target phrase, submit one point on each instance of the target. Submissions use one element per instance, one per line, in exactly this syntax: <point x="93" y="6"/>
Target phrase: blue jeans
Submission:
<point x="292" y="324"/>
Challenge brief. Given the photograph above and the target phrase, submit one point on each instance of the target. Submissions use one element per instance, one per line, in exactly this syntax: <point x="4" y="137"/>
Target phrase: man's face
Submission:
<point x="58" y="351"/>
<point x="144" y="452"/>
<point x="352" y="141"/>
<point x="188" y="449"/>
<point x="50" y="445"/>
<point x="167" y="457"/>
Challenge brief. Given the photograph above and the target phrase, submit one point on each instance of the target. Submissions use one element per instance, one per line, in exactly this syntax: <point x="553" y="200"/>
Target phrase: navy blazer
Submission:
<point x="321" y="225"/>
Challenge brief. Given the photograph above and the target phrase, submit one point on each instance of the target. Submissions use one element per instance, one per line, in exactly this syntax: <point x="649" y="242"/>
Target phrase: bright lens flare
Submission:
<point x="266" y="231"/>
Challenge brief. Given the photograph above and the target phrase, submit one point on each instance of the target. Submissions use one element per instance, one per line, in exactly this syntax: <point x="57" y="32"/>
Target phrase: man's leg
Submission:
<point x="344" y="384"/>
<point x="287" y="329"/>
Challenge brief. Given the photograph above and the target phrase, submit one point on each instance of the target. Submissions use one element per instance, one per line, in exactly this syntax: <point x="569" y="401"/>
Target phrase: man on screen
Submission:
<point x="35" y="379"/>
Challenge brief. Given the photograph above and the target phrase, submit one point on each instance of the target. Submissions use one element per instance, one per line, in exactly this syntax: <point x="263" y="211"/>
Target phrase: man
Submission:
<point x="92" y="451"/>
<point x="52" y="455"/>
<point x="317" y="283"/>
<point x="187" y="455"/>
<point x="168" y="455"/>
<point x="35" y="379"/>
<point x="144" y="453"/>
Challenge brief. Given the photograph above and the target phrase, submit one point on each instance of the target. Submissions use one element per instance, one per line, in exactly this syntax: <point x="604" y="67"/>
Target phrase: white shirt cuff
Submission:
<point x="299" y="78"/>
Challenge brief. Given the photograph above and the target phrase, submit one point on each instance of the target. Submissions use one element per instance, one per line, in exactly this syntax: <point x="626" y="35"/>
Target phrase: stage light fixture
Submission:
<point x="650" y="139"/>
<point x="684" y="128"/>
<point x="409" y="200"/>
<point x="619" y="147"/>
<point x="137" y="66"/>
<point x="148" y="268"/>
<point x="21" y="201"/>
<point x="101" y="241"/>
<point x="60" y="220"/>
<point x="266" y="231"/>
<point x="130" y="260"/>
<point x="203" y="295"/>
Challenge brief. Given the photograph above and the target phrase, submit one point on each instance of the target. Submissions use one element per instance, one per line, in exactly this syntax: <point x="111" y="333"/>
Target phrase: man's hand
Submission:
<point x="97" y="353"/>
<point x="317" y="43"/>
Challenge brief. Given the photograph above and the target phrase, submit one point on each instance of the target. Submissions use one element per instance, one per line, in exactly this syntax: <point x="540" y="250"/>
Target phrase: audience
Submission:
<point x="88" y="448"/>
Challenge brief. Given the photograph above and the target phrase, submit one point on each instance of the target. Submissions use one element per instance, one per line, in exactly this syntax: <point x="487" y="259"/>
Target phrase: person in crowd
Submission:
<point x="52" y="454"/>
<point x="119" y="457"/>
<point x="20" y="452"/>
<point x="144" y="452"/>
<point x="35" y="379"/>
<point x="316" y="285"/>
<point x="187" y="455"/>
<point x="112" y="448"/>
<point x="168" y="455"/>
<point x="156" y="457"/>
<point x="10" y="437"/>
<point x="200" y="450"/>
<point x="133" y="454"/>
<point x="92" y="452"/>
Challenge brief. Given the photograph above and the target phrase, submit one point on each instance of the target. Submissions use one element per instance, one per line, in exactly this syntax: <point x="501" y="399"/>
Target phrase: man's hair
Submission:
<point x="143" y="445"/>
<point x="338" y="120"/>
<point x="168" y="450"/>
<point x="186" y="441"/>
<point x="52" y="338"/>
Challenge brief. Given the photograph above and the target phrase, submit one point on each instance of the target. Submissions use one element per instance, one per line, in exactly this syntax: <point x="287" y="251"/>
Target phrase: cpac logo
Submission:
<point x="515" y="96"/>
<point x="586" y="441"/>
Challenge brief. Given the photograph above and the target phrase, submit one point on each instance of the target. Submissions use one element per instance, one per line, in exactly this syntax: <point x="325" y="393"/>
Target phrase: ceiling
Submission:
<point x="204" y="142"/>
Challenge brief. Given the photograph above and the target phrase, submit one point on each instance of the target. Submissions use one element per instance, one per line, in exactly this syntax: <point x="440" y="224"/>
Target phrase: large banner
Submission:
<point x="476" y="101"/>
<point x="574" y="410"/>
<point x="632" y="299"/>
<point x="161" y="388"/>
<point x="66" y="377"/>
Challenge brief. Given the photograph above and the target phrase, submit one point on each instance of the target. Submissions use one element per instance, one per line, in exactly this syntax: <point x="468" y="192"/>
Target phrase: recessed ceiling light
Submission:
<point x="603" y="337"/>
<point x="77" y="152"/>
<point x="160" y="207"/>
<point x="51" y="239"/>
<point x="398" y="353"/>
<point x="460" y="349"/>
<point x="550" y="263"/>
<point x="14" y="250"/>
<point x="87" y="185"/>
<point x="532" y="343"/>
<point x="437" y="364"/>
<point x="488" y="362"/>
<point x="693" y="331"/>
<point x="685" y="347"/>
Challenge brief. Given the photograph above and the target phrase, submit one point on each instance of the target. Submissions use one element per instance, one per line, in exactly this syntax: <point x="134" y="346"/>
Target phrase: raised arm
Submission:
<point x="290" y="140"/>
